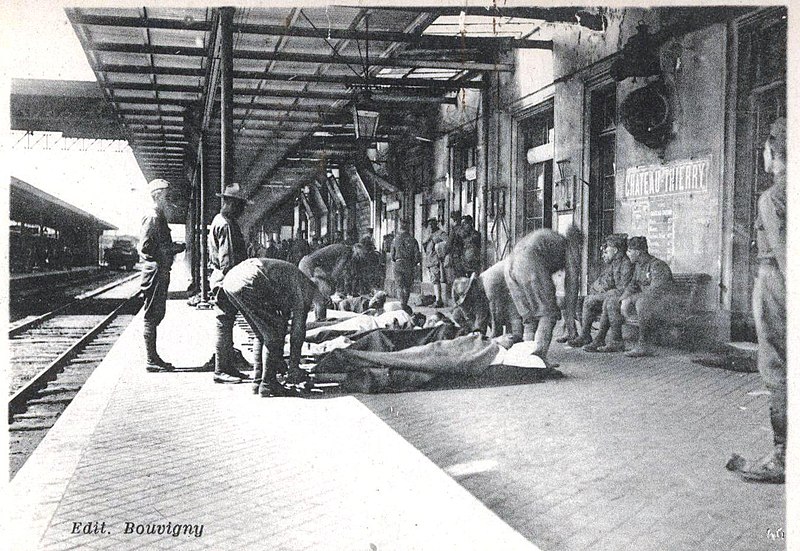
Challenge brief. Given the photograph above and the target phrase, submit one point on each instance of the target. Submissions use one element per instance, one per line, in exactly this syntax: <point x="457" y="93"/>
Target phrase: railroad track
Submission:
<point x="52" y="356"/>
<point x="31" y="298"/>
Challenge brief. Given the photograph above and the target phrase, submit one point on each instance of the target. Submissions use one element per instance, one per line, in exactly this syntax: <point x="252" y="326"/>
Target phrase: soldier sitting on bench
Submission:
<point x="651" y="296"/>
<point x="611" y="283"/>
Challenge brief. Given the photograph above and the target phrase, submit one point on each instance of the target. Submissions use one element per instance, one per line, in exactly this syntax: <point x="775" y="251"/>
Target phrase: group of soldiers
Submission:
<point x="503" y="301"/>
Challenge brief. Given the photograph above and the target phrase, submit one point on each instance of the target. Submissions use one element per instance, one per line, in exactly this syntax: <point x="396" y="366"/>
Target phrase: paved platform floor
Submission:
<point x="140" y="449"/>
<point x="620" y="454"/>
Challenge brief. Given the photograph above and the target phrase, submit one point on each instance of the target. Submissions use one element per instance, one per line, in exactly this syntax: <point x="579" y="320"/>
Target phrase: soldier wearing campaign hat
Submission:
<point x="226" y="249"/>
<point x="156" y="250"/>
<point x="611" y="283"/>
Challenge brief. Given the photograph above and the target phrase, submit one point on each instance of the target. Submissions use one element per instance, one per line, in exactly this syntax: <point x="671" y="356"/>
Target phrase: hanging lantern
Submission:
<point x="639" y="57"/>
<point x="365" y="122"/>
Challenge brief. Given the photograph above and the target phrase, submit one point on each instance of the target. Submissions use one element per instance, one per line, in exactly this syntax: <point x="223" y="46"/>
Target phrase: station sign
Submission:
<point x="675" y="178"/>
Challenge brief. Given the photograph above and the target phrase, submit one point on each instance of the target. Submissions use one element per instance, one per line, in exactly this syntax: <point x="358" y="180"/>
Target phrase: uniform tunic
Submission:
<point x="269" y="293"/>
<point x="332" y="259"/>
<point x="434" y="261"/>
<point x="226" y="248"/>
<point x="529" y="275"/>
<point x="156" y="253"/>
<point x="405" y="255"/>
<point x="488" y="303"/>
<point x="651" y="293"/>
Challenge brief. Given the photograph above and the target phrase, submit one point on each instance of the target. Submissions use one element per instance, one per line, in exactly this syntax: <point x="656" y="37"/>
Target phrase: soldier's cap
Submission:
<point x="637" y="243"/>
<point x="234" y="191"/>
<point x="777" y="134"/>
<point x="461" y="287"/>
<point x="618" y="241"/>
<point x="158" y="183"/>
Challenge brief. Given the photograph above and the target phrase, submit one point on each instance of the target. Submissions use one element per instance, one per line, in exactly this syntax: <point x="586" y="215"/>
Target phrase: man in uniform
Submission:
<point x="529" y="273"/>
<point x="226" y="249"/>
<point x="435" y="250"/>
<point x="484" y="301"/>
<point x="405" y="256"/>
<point x="471" y="238"/>
<point x="612" y="282"/>
<point x="298" y="249"/>
<point x="335" y="262"/>
<point x="269" y="293"/>
<point x="769" y="308"/>
<point x="650" y="296"/>
<point x="157" y="252"/>
<point x="454" y="260"/>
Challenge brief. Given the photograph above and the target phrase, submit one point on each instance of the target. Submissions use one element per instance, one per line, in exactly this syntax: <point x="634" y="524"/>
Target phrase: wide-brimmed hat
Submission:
<point x="234" y="191"/>
<point x="461" y="287"/>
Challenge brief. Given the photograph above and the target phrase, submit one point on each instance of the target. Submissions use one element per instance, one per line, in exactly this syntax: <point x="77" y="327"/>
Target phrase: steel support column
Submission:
<point x="202" y="218"/>
<point x="226" y="94"/>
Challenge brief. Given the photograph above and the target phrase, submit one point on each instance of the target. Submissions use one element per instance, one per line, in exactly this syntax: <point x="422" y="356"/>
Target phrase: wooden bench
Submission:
<point x="690" y="294"/>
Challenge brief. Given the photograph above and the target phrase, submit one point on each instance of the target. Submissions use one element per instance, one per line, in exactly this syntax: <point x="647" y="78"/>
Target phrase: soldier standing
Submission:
<point x="405" y="255"/>
<point x="157" y="252"/>
<point x="226" y="249"/>
<point x="769" y="308"/>
<point x="435" y="250"/>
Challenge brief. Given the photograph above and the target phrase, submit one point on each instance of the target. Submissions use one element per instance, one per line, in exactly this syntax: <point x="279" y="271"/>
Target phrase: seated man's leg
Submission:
<point x="650" y="312"/>
<point x="628" y="306"/>
<point x="592" y="306"/>
<point x="613" y="312"/>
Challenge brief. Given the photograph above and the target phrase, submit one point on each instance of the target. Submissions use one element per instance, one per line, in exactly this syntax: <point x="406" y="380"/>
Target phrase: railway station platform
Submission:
<point x="36" y="278"/>
<point x="619" y="454"/>
<point x="136" y="451"/>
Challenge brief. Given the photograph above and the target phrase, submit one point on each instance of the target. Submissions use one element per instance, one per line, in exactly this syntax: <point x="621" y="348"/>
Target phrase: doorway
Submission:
<point x="602" y="168"/>
<point x="761" y="98"/>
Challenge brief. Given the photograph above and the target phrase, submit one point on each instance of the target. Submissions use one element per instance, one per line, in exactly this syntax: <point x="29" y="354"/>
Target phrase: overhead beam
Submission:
<point x="347" y="80"/>
<point x="303" y="58"/>
<point x="184" y="24"/>
<point x="426" y="41"/>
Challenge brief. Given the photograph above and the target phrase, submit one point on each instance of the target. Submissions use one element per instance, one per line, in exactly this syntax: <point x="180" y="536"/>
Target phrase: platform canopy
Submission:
<point x="31" y="205"/>
<point x="295" y="75"/>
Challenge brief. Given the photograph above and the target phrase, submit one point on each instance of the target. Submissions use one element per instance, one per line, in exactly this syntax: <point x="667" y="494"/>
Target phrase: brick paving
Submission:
<point x="276" y="474"/>
<point x="620" y="454"/>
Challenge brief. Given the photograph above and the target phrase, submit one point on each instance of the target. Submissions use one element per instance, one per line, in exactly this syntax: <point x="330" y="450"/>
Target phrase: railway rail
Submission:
<point x="53" y="355"/>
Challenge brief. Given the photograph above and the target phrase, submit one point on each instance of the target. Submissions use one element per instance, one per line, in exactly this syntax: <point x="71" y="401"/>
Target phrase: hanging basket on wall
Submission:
<point x="647" y="115"/>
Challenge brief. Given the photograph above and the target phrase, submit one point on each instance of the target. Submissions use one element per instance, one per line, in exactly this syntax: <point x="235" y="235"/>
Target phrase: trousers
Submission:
<point x="769" y="311"/>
